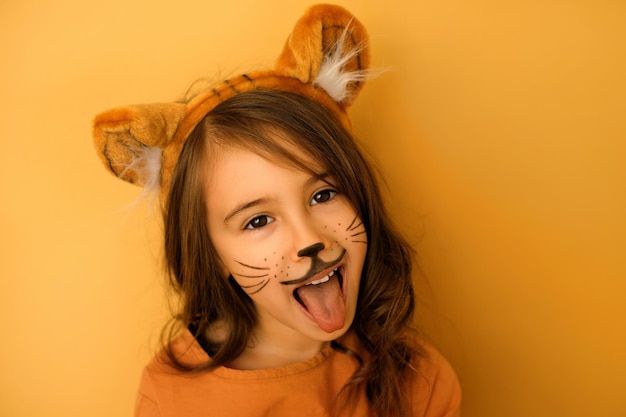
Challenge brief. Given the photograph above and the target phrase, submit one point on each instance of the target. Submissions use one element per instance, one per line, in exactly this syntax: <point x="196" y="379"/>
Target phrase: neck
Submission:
<point x="270" y="347"/>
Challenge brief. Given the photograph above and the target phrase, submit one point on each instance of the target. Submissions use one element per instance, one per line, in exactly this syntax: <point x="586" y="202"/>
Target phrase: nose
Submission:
<point x="311" y="251"/>
<point x="308" y="235"/>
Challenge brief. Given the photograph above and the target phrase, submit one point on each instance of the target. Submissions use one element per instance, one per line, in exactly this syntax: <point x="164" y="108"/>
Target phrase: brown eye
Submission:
<point x="323" y="196"/>
<point x="259" y="222"/>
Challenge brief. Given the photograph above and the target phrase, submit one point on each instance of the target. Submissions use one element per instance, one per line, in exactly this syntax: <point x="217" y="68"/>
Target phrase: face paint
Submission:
<point x="290" y="240"/>
<point x="261" y="278"/>
<point x="358" y="231"/>
<point x="317" y="266"/>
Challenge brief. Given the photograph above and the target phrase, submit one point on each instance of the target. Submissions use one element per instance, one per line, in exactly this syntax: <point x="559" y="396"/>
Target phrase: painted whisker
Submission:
<point x="255" y="285"/>
<point x="352" y="225"/>
<point x="252" y="267"/>
<point x="260" y="286"/>
<point x="251" y="276"/>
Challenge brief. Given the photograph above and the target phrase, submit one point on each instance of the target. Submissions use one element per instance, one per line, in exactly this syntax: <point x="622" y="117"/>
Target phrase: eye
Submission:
<point x="258" y="222"/>
<point x="323" y="196"/>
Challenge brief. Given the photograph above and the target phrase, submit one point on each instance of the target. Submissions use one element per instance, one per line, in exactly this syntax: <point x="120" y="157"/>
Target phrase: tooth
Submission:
<point x="321" y="280"/>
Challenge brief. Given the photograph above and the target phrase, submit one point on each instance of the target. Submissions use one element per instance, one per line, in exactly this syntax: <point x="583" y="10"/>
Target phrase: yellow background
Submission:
<point x="500" y="127"/>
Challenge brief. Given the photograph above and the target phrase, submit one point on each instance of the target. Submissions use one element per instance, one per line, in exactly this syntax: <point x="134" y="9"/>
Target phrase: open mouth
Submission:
<point x="322" y="300"/>
<point x="334" y="274"/>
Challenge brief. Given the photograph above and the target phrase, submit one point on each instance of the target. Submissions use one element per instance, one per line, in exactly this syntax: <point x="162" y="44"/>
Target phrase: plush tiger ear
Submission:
<point x="328" y="48"/>
<point x="130" y="140"/>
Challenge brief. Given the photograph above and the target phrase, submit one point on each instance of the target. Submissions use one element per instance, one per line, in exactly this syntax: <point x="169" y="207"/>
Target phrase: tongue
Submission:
<point x="325" y="304"/>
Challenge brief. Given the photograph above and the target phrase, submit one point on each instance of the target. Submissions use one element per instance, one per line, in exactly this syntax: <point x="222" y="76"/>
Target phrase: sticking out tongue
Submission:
<point x="325" y="304"/>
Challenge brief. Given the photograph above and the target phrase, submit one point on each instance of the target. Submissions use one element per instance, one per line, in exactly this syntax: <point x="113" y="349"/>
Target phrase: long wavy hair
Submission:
<point x="385" y="304"/>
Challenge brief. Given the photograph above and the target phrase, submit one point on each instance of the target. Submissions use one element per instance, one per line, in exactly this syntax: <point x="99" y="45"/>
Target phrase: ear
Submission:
<point x="130" y="140"/>
<point x="327" y="47"/>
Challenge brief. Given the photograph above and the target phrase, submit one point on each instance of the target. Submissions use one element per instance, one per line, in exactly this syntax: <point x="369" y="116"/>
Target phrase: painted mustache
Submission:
<point x="317" y="266"/>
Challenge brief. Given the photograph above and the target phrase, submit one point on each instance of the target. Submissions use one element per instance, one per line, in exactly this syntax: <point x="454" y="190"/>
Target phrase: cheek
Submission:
<point x="349" y="231"/>
<point x="253" y="270"/>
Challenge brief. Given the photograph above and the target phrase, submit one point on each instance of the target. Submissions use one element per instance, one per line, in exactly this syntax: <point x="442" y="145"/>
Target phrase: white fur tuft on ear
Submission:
<point x="332" y="77"/>
<point x="147" y="165"/>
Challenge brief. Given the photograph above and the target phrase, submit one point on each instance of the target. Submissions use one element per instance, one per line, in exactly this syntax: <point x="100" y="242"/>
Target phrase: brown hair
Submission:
<point x="385" y="302"/>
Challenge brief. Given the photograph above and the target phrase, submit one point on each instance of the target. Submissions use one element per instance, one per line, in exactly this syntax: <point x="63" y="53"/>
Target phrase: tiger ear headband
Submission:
<point x="325" y="58"/>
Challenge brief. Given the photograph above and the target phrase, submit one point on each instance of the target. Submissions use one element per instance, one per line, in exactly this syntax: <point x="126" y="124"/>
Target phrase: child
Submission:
<point x="295" y="288"/>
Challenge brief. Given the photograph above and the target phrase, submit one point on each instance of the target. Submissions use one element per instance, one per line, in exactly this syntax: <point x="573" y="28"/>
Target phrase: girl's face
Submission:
<point x="292" y="242"/>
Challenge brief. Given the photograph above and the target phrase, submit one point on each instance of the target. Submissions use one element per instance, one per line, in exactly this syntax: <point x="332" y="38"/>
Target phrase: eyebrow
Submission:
<point x="318" y="177"/>
<point x="244" y="206"/>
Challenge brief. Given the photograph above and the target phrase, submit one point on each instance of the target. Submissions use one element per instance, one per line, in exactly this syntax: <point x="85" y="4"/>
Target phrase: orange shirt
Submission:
<point x="305" y="389"/>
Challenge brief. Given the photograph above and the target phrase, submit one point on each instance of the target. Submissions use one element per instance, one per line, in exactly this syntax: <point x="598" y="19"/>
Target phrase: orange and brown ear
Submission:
<point x="327" y="33"/>
<point x="129" y="139"/>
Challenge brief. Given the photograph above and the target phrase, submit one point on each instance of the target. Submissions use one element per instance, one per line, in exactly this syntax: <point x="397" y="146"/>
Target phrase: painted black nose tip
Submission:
<point x="311" y="251"/>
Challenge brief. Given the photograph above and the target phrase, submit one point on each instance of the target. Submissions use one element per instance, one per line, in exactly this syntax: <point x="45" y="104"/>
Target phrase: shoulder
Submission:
<point x="434" y="387"/>
<point x="184" y="348"/>
<point x="160" y="377"/>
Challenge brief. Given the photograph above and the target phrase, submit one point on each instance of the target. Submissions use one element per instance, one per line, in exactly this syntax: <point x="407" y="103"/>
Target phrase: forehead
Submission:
<point x="238" y="177"/>
<point x="232" y="165"/>
<point x="276" y="147"/>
